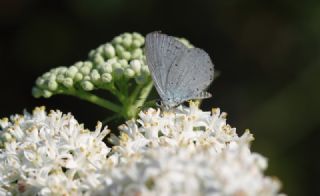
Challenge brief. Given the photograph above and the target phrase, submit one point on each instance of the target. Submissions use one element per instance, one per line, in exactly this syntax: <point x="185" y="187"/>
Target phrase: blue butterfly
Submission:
<point x="179" y="73"/>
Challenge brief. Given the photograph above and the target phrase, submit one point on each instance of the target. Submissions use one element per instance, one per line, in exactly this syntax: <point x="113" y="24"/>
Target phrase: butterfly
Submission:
<point x="179" y="73"/>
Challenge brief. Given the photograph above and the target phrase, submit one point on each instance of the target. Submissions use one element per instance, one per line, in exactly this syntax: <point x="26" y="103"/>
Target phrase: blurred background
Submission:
<point x="267" y="53"/>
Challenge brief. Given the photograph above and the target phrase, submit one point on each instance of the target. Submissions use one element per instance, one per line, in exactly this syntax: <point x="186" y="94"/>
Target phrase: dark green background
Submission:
<point x="267" y="53"/>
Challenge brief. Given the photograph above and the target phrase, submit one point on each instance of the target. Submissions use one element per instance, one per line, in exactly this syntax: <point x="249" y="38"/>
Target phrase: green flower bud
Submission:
<point x="129" y="73"/>
<point x="136" y="43"/>
<point x="98" y="59"/>
<point x="145" y="70"/>
<point x="86" y="78"/>
<point x="137" y="53"/>
<point x="62" y="70"/>
<point x="91" y="53"/>
<point x="138" y="36"/>
<point x="124" y="35"/>
<point x="126" y="55"/>
<point x="127" y="41"/>
<point x="36" y="92"/>
<point x="46" y="75"/>
<point x="109" y="51"/>
<point x="67" y="82"/>
<point x="95" y="76"/>
<point x="71" y="72"/>
<point x="106" y="77"/>
<point x="123" y="63"/>
<point x="99" y="49"/>
<point x="47" y="94"/>
<point x="40" y="82"/>
<point x="105" y="68"/>
<point x="52" y="77"/>
<point x="60" y="78"/>
<point x="52" y="85"/>
<point x="117" y="40"/>
<point x="119" y="49"/>
<point x="135" y="65"/>
<point x="116" y="66"/>
<point x="88" y="64"/>
<point x="78" y="64"/>
<point x="85" y="70"/>
<point x="77" y="77"/>
<point x="87" y="86"/>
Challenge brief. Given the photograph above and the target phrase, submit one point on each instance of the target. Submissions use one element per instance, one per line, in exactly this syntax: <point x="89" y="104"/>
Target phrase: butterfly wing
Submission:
<point x="162" y="51"/>
<point x="191" y="76"/>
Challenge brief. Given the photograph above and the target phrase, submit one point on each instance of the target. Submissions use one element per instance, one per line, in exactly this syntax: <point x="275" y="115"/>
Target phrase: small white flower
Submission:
<point x="181" y="151"/>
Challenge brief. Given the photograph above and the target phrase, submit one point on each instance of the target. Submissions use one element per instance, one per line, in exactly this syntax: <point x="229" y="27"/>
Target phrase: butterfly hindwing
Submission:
<point x="191" y="76"/>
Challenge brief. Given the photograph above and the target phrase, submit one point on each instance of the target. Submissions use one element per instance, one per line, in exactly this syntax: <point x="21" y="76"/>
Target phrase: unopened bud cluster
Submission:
<point x="121" y="59"/>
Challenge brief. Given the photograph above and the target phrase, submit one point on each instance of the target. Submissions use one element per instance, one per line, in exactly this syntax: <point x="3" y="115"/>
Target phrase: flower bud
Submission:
<point x="138" y="36"/>
<point x="98" y="59"/>
<point x="36" y="92"/>
<point x="137" y="53"/>
<point x="47" y="94"/>
<point x="40" y="82"/>
<point x="85" y="70"/>
<point x="52" y="85"/>
<point x="136" y="43"/>
<point x="99" y="49"/>
<point x="117" y="40"/>
<point x="87" y="86"/>
<point x="46" y="75"/>
<point x="145" y="70"/>
<point x="109" y="51"/>
<point x="91" y="53"/>
<point x="67" y="82"/>
<point x="95" y="76"/>
<point x="88" y="64"/>
<point x="127" y="41"/>
<point x="116" y="65"/>
<point x="105" y="68"/>
<point x="126" y="55"/>
<point x="71" y="72"/>
<point x="60" y="78"/>
<point x="135" y="65"/>
<point x="123" y="63"/>
<point x="129" y="73"/>
<point x="87" y="78"/>
<point x="78" y="64"/>
<point x="106" y="77"/>
<point x="119" y="49"/>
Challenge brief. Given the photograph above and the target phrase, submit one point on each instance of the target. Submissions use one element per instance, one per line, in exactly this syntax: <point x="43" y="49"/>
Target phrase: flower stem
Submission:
<point x="133" y="108"/>
<point x="96" y="100"/>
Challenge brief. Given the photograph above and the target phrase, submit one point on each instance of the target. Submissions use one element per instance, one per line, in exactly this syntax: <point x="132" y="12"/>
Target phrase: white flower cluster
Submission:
<point x="184" y="151"/>
<point x="123" y="56"/>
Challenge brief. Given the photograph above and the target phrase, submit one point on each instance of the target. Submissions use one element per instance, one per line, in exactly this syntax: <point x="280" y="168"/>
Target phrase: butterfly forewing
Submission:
<point x="162" y="51"/>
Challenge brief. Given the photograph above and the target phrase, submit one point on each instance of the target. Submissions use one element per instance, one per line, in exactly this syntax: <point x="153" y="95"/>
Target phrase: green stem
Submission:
<point x="132" y="110"/>
<point x="107" y="120"/>
<point x="114" y="91"/>
<point x="96" y="100"/>
<point x="135" y="93"/>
